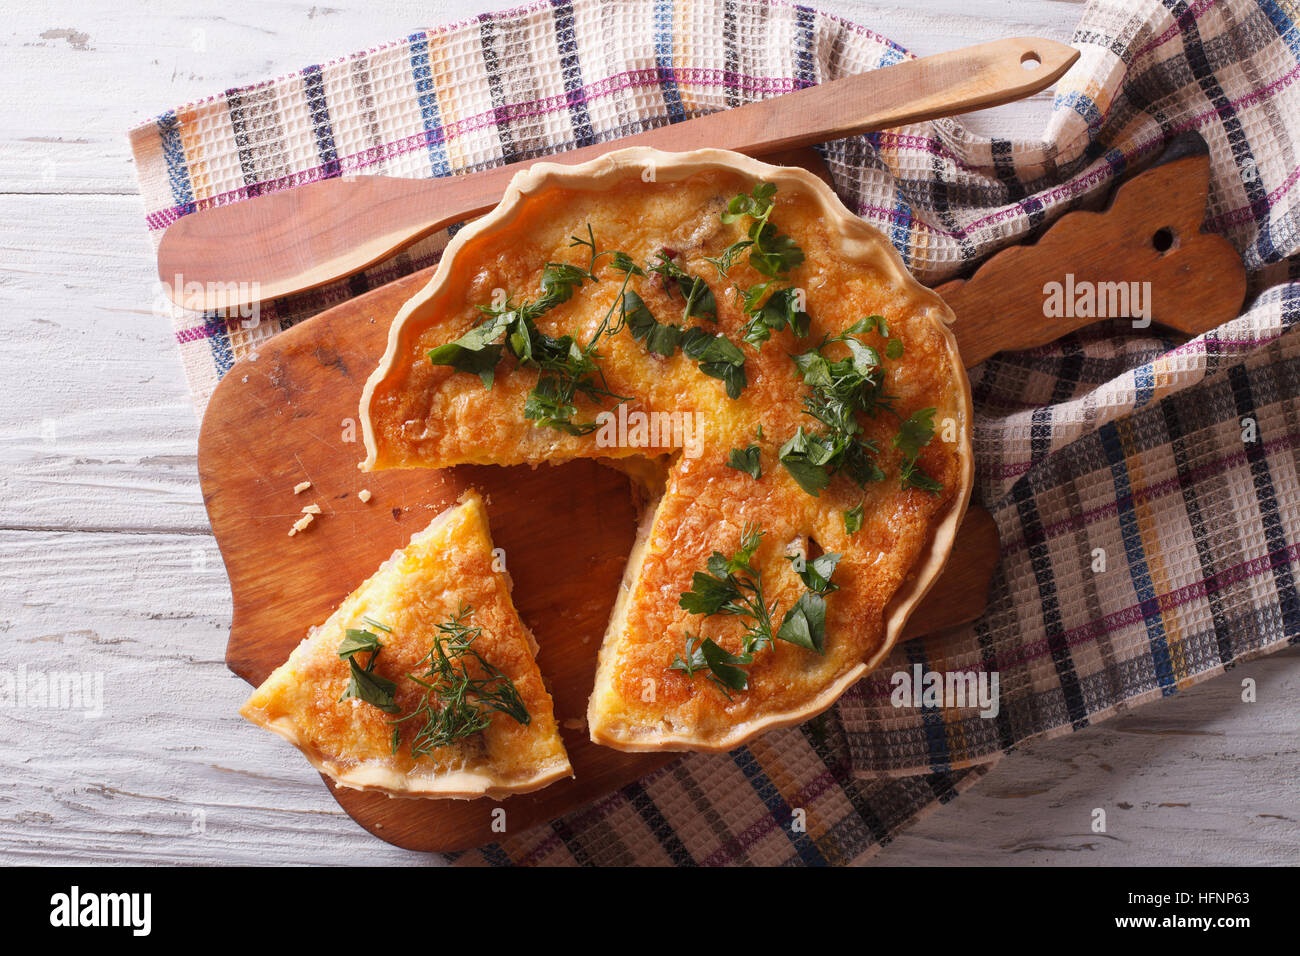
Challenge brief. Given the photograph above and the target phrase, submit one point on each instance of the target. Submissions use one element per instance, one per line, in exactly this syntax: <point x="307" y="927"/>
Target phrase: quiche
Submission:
<point x="789" y="399"/>
<point x="424" y="682"/>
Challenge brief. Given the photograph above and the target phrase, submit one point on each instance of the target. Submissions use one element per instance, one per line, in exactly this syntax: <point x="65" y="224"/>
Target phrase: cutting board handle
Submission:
<point x="1146" y="258"/>
<point x="297" y="239"/>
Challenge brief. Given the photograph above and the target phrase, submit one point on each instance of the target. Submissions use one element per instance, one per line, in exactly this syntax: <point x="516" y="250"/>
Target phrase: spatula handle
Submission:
<point x="296" y="239"/>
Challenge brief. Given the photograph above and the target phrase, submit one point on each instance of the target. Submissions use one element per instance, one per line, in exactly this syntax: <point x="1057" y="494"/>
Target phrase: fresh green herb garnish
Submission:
<point x="364" y="684"/>
<point x="840" y="389"/>
<point x="893" y="347"/>
<point x="805" y="623"/>
<point x="461" y="689"/>
<point x="566" y="369"/>
<point x="816" y="574"/>
<point x="358" y="641"/>
<point x="477" y="350"/>
<point x="732" y="586"/>
<point x="877" y="323"/>
<point x="751" y="299"/>
<point x="746" y="460"/>
<point x="780" y="310"/>
<point x="654" y="335"/>
<point x="853" y="519"/>
<point x="726" y="670"/>
<point x="913" y="477"/>
<point x="622" y="262"/>
<point x="718" y="357"/>
<point x="770" y="253"/>
<point x="550" y="403"/>
<point x="700" y="302"/>
<point x="808" y="459"/>
<point x="730" y="255"/>
<point x="914" y="434"/>
<point x="774" y="253"/>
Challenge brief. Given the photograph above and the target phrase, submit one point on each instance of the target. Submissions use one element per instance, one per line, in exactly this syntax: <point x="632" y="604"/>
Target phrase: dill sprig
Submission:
<point x="461" y="689"/>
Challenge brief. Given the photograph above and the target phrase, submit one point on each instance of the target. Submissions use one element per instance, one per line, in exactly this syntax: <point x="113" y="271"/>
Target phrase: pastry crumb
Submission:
<point x="311" y="510"/>
<point x="301" y="486"/>
<point x="301" y="524"/>
<point x="364" y="495"/>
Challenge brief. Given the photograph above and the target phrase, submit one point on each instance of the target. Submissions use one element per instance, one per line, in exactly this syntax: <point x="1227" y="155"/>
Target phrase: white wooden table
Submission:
<point x="107" y="564"/>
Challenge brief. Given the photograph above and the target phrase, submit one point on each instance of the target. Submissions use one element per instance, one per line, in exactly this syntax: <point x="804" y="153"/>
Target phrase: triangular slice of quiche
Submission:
<point x="424" y="682"/>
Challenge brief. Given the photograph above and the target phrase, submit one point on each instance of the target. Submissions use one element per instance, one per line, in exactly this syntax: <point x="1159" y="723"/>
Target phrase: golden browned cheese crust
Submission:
<point x="418" y="414"/>
<point x="445" y="567"/>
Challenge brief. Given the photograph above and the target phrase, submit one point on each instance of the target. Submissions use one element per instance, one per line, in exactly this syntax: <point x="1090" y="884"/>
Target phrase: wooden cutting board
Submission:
<point x="289" y="414"/>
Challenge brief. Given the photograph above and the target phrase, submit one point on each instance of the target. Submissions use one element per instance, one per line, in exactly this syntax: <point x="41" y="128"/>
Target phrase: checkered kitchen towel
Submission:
<point x="1106" y="440"/>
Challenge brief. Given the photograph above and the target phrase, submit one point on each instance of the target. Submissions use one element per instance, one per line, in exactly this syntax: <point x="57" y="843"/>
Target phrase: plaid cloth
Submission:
<point x="1132" y="444"/>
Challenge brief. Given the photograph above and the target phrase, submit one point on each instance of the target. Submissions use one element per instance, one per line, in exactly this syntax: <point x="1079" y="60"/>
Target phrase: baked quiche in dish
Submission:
<point x="761" y="361"/>
<point x="424" y="682"/>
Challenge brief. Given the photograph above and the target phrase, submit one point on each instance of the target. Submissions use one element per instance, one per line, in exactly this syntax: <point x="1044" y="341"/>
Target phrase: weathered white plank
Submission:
<point x="1201" y="778"/>
<point x="97" y="429"/>
<point x="133" y="61"/>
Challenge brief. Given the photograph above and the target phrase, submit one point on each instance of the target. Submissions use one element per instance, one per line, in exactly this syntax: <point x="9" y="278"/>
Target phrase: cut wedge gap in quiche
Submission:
<point x="424" y="682"/>
<point x="789" y="399"/>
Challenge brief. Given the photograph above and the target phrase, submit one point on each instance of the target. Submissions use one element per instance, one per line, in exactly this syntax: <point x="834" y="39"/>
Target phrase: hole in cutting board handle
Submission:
<point x="1030" y="60"/>
<point x="1164" y="239"/>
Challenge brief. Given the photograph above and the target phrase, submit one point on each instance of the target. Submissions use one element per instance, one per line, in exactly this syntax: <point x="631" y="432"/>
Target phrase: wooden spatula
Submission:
<point x="297" y="239"/>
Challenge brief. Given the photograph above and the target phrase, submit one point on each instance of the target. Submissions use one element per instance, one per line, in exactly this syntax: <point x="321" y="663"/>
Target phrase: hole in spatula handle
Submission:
<point x="1164" y="239"/>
